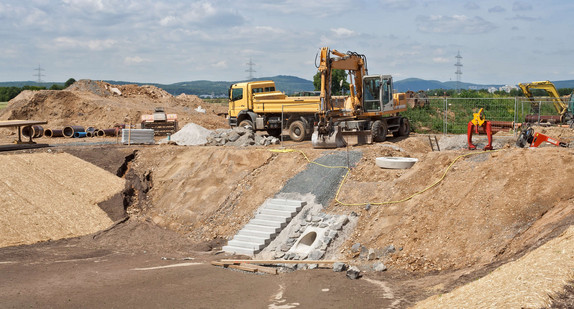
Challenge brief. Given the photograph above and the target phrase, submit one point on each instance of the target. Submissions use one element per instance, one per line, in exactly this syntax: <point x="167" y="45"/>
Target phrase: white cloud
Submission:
<point x="343" y="32"/>
<point x="220" y="64"/>
<point x="441" y="60"/>
<point x="459" y="24"/>
<point x="94" y="45"/>
<point x="134" y="60"/>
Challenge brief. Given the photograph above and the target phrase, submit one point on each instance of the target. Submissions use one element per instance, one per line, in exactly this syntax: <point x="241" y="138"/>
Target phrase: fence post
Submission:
<point x="445" y="124"/>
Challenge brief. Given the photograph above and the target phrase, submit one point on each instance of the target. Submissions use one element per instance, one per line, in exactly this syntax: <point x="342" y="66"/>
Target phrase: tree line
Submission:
<point x="8" y="93"/>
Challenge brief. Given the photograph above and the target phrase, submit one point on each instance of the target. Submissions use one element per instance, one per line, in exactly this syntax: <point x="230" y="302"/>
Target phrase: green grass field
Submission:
<point x="3" y="104"/>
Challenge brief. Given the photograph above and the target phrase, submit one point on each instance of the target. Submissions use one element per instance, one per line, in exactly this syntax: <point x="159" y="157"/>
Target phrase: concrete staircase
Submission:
<point x="270" y="219"/>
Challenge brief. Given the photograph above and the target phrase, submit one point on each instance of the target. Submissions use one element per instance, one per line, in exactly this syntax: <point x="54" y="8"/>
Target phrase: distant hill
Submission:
<point x="416" y="84"/>
<point x="285" y="83"/>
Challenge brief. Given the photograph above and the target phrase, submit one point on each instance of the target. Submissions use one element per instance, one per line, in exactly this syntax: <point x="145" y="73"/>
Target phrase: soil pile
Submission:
<point x="51" y="196"/>
<point x="102" y="105"/>
<point x="488" y="207"/>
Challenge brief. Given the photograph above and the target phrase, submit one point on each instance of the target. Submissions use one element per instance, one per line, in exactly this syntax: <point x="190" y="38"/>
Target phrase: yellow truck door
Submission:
<point x="237" y="101"/>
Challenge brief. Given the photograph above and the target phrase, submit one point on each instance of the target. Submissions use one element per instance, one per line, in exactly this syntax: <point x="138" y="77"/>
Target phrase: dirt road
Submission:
<point x="158" y="270"/>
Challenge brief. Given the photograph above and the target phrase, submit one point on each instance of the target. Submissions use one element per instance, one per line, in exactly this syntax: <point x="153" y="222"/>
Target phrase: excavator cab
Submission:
<point x="377" y="93"/>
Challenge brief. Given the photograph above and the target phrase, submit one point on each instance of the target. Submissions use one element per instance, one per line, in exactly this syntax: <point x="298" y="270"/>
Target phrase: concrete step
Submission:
<point x="275" y="224"/>
<point x="252" y="239"/>
<point x="239" y="250"/>
<point x="248" y="232"/>
<point x="274" y="212"/>
<point x="245" y="244"/>
<point x="261" y="228"/>
<point x="287" y="202"/>
<point x="272" y="206"/>
<point x="274" y="218"/>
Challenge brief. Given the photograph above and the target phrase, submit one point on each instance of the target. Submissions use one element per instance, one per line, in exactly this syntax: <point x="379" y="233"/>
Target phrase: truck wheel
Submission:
<point x="379" y="131"/>
<point x="274" y="132"/>
<point x="246" y="124"/>
<point x="297" y="131"/>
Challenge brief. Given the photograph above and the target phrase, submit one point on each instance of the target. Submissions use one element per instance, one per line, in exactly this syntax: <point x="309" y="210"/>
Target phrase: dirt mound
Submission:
<point x="102" y="105"/>
<point x="211" y="192"/>
<point x="487" y="208"/>
<point x="51" y="196"/>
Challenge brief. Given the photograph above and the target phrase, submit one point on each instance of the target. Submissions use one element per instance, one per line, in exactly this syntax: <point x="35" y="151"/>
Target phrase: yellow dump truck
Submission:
<point x="260" y="106"/>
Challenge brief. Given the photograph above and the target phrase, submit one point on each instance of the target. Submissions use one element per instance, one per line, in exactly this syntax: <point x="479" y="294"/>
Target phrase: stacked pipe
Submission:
<point x="33" y="131"/>
<point x="70" y="132"/>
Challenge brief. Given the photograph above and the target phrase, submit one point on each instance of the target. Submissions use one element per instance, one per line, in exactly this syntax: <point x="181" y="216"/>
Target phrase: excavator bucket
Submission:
<point x="333" y="139"/>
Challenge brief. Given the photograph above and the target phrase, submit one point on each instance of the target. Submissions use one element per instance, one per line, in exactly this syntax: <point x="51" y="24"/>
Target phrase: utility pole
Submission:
<point x="250" y="70"/>
<point x="458" y="72"/>
<point x="39" y="74"/>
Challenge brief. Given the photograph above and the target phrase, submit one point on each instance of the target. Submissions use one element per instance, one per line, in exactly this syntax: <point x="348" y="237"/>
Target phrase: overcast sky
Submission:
<point x="167" y="41"/>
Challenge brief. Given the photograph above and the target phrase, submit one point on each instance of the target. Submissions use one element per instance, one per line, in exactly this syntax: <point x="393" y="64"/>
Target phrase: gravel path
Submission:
<point x="320" y="181"/>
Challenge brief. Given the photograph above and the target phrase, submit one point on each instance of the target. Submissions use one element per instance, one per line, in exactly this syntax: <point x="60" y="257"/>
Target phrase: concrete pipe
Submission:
<point x="80" y="134"/>
<point x="53" y="133"/>
<point x="88" y="134"/>
<point x="33" y="131"/>
<point x="110" y="132"/>
<point x="99" y="133"/>
<point x="71" y="130"/>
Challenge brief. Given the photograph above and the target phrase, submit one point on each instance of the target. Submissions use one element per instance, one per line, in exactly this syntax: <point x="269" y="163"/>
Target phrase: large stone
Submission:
<point x="371" y="255"/>
<point x="356" y="247"/>
<point x="339" y="267"/>
<point x="315" y="255"/>
<point x="353" y="273"/>
<point x="379" y="267"/>
<point x="233" y="136"/>
<point x="340" y="223"/>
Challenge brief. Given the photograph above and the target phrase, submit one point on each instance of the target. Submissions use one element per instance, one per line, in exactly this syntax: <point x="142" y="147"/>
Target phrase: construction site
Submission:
<point x="242" y="209"/>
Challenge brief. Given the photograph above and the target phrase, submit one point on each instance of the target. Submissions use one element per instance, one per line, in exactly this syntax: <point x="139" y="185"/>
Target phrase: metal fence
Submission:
<point x="451" y="115"/>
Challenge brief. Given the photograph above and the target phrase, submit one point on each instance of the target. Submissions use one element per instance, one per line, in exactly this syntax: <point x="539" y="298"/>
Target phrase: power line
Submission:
<point x="250" y="70"/>
<point x="39" y="73"/>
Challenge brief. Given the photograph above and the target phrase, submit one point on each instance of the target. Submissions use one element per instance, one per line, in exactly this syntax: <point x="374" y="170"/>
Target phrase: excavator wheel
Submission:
<point x="379" y="131"/>
<point x="297" y="131"/>
<point x="405" y="128"/>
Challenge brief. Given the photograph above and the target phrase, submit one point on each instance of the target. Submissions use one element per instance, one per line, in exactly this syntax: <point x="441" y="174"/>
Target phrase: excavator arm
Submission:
<point x="549" y="87"/>
<point x="327" y="134"/>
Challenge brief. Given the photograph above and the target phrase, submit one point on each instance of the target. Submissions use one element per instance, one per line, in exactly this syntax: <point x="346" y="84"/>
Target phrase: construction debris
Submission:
<point x="241" y="137"/>
<point x="190" y="135"/>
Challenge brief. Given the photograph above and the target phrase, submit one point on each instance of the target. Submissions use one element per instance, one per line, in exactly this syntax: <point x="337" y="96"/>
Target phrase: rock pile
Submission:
<point x="239" y="136"/>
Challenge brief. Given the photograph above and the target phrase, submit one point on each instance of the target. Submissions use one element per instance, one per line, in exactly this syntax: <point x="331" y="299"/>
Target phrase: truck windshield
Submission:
<point x="236" y="94"/>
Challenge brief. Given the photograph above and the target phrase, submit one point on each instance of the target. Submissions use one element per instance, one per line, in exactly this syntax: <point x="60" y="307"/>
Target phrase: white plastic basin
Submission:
<point x="396" y="162"/>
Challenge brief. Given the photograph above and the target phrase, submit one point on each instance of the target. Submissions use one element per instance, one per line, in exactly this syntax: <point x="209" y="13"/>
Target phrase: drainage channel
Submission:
<point x="299" y="229"/>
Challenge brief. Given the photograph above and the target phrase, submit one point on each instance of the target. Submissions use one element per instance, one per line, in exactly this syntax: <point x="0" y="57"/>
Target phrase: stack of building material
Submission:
<point x="138" y="136"/>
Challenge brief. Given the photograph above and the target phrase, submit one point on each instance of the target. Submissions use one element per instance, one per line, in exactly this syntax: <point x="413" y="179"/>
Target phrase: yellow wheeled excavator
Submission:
<point x="369" y="113"/>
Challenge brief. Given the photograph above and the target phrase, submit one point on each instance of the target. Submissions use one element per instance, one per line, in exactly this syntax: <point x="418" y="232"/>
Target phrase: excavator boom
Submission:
<point x="559" y="105"/>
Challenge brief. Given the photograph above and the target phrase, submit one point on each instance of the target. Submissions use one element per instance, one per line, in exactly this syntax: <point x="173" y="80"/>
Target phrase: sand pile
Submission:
<point x="102" y="105"/>
<point x="51" y="196"/>
<point x="190" y="135"/>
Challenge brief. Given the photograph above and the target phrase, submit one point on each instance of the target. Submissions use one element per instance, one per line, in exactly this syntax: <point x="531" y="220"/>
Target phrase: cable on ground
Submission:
<point x="387" y="202"/>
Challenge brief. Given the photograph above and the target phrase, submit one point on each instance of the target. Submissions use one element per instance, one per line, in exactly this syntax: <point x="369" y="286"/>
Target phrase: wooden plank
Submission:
<point x="217" y="263"/>
<point x="15" y="123"/>
<point x="263" y="269"/>
<point x="228" y="262"/>
<point x="241" y="267"/>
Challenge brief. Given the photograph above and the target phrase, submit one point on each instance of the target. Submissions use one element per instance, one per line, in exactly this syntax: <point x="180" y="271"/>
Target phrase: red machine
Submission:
<point x="534" y="139"/>
<point x="473" y="125"/>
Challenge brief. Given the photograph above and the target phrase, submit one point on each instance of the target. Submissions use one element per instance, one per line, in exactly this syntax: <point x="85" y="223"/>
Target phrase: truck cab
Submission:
<point x="241" y="96"/>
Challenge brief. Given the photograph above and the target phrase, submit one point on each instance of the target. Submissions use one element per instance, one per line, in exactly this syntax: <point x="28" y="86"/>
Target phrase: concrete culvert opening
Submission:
<point x="305" y="243"/>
